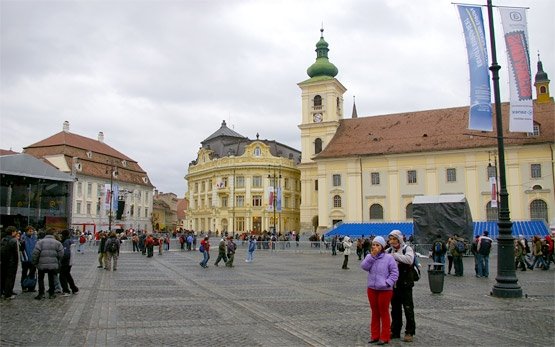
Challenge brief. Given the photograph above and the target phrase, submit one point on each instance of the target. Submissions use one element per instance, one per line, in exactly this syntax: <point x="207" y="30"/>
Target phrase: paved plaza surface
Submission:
<point x="283" y="298"/>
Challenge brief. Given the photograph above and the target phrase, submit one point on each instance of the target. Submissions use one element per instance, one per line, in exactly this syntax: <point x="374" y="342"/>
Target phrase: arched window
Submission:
<point x="408" y="211"/>
<point x="492" y="213"/>
<point x="317" y="145"/>
<point x="537" y="187"/>
<point x="543" y="90"/>
<point x="336" y="201"/>
<point x="538" y="210"/>
<point x="317" y="102"/>
<point x="376" y="211"/>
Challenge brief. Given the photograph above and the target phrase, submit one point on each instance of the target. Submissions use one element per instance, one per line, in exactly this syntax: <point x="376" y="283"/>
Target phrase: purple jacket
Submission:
<point x="382" y="271"/>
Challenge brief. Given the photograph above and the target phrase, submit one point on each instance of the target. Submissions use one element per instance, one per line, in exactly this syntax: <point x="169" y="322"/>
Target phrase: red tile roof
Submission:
<point x="81" y="142"/>
<point x="426" y="131"/>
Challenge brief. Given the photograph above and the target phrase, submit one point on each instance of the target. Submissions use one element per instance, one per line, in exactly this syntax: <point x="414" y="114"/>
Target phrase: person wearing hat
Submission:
<point x="382" y="275"/>
<point x="347" y="244"/>
<point x="402" y="290"/>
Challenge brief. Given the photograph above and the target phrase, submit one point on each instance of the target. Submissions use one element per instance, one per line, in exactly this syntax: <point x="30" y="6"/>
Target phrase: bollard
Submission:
<point x="436" y="277"/>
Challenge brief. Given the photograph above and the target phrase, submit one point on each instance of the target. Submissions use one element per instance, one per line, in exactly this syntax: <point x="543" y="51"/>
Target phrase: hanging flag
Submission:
<point x="271" y="198"/>
<point x="480" y="114"/>
<point x="278" y="200"/>
<point x="115" y="197"/>
<point x="520" y="79"/>
<point x="493" y="185"/>
<point x="107" y="197"/>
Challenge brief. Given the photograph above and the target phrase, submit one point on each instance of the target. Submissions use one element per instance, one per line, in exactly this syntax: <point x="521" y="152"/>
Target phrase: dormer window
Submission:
<point x="145" y="179"/>
<point x="89" y="154"/>
<point x="124" y="163"/>
<point x="535" y="132"/>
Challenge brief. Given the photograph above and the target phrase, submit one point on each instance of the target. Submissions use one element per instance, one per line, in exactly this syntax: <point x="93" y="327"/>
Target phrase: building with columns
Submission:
<point x="101" y="171"/>
<point x="369" y="169"/>
<point x="239" y="185"/>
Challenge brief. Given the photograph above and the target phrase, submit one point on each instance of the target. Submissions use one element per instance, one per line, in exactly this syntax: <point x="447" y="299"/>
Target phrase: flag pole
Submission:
<point x="506" y="285"/>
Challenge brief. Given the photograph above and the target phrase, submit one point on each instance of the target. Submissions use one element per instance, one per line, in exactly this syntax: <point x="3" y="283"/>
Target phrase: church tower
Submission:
<point x="541" y="82"/>
<point x="322" y="109"/>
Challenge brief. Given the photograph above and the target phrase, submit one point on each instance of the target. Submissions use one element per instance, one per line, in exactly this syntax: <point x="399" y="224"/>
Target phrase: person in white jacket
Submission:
<point x="347" y="244"/>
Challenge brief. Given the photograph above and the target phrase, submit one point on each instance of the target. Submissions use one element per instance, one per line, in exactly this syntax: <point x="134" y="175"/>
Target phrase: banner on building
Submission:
<point x="271" y="198"/>
<point x="493" y="185"/>
<point x="480" y="114"/>
<point x="278" y="200"/>
<point x="107" y="197"/>
<point x="520" y="79"/>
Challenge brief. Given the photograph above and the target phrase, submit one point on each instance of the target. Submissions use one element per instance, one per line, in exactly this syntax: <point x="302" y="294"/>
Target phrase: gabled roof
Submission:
<point x="26" y="165"/>
<point x="432" y="130"/>
<point x="66" y="138"/>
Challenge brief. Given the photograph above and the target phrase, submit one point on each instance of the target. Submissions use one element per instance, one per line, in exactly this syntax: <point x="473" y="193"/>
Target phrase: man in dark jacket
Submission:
<point x="112" y="251"/>
<point x="402" y="291"/>
<point x="47" y="257"/>
<point x="28" y="271"/>
<point x="438" y="252"/>
<point x="9" y="260"/>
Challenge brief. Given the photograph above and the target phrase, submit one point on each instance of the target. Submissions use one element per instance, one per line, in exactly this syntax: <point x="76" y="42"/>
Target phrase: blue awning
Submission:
<point x="525" y="228"/>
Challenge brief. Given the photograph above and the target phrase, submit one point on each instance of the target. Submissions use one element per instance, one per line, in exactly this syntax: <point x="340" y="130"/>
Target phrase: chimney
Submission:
<point x="100" y="136"/>
<point x="65" y="128"/>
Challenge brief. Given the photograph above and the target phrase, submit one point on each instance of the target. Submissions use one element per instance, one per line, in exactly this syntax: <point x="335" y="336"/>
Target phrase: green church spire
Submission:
<point x="322" y="67"/>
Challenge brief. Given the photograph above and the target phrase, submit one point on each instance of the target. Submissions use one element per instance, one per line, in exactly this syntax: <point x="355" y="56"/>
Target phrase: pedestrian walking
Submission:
<point x="66" y="280"/>
<point x="231" y="247"/>
<point x="484" y="248"/>
<point x="205" y="249"/>
<point x="222" y="252"/>
<point x="250" y="249"/>
<point x="28" y="271"/>
<point x="382" y="275"/>
<point x="9" y="256"/>
<point x="112" y="252"/>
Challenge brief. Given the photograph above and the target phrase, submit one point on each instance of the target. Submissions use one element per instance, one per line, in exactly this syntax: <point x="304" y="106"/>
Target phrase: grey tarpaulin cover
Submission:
<point x="441" y="214"/>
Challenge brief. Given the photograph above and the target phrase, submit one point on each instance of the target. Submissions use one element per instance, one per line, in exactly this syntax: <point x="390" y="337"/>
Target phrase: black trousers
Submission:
<point x="402" y="300"/>
<point x="51" y="285"/>
<point x="66" y="278"/>
<point x="7" y="279"/>
<point x="345" y="261"/>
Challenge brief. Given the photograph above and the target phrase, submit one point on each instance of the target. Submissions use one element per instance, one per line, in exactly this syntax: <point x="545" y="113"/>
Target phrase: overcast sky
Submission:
<point x="158" y="77"/>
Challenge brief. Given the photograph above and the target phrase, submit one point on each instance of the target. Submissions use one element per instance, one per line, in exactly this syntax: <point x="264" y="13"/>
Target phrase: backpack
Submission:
<point x="201" y="249"/>
<point x="82" y="239"/>
<point x="460" y="247"/>
<point x="415" y="268"/>
<point x="113" y="247"/>
<point x="485" y="246"/>
<point x="438" y="247"/>
<point x="340" y="247"/>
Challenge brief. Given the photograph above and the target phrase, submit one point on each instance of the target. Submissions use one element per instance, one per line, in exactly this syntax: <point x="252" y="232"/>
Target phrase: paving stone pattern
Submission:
<point x="281" y="299"/>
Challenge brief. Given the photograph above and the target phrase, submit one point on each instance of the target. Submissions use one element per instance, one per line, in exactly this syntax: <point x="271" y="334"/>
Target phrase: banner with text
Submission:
<point x="480" y="113"/>
<point x="520" y="79"/>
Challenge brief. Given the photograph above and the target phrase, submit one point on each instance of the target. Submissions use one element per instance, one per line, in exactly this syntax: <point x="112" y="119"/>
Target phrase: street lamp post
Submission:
<point x="275" y="192"/>
<point x="507" y="283"/>
<point x="113" y="172"/>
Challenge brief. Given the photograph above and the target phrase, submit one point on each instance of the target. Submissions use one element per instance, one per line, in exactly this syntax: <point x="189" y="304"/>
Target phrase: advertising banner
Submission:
<point x="520" y="79"/>
<point x="480" y="113"/>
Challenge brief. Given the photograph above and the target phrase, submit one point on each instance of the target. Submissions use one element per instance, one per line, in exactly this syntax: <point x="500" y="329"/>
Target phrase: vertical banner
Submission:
<point x="480" y="114"/>
<point x="493" y="185"/>
<point x="520" y="79"/>
<point x="107" y="197"/>
<point x="115" y="197"/>
<point x="270" y="198"/>
<point x="278" y="200"/>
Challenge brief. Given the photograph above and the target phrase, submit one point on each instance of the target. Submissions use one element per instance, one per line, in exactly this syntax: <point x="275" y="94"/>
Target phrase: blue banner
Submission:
<point x="480" y="113"/>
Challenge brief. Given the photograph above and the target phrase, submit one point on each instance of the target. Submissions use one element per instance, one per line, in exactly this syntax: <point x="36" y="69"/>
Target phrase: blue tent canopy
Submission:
<point x="525" y="228"/>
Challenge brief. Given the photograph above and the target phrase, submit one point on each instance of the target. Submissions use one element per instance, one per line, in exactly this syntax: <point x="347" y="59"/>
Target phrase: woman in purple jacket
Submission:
<point x="382" y="274"/>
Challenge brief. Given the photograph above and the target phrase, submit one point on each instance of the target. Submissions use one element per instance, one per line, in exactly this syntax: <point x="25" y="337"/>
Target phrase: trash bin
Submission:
<point x="436" y="277"/>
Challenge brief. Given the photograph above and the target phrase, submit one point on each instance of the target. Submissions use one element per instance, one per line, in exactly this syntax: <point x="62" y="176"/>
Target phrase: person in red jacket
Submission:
<point x="205" y="246"/>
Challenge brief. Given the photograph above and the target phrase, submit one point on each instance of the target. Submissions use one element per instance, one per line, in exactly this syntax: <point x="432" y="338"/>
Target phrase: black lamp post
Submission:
<point x="274" y="177"/>
<point x="507" y="283"/>
<point x="113" y="172"/>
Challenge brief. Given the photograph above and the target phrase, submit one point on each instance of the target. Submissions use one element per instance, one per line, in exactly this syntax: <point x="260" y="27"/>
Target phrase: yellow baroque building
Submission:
<point x="369" y="169"/>
<point x="239" y="185"/>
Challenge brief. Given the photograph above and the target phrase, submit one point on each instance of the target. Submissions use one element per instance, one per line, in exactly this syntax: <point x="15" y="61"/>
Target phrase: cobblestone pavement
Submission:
<point x="281" y="299"/>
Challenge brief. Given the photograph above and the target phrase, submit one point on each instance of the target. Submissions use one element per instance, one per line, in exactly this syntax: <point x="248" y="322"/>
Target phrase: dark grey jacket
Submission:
<point x="48" y="253"/>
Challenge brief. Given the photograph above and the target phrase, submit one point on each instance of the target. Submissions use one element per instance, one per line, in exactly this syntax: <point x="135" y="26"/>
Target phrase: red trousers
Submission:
<point x="380" y="323"/>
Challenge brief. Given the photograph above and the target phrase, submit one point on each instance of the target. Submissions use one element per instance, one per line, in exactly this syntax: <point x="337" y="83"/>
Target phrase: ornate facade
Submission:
<point x="240" y="185"/>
